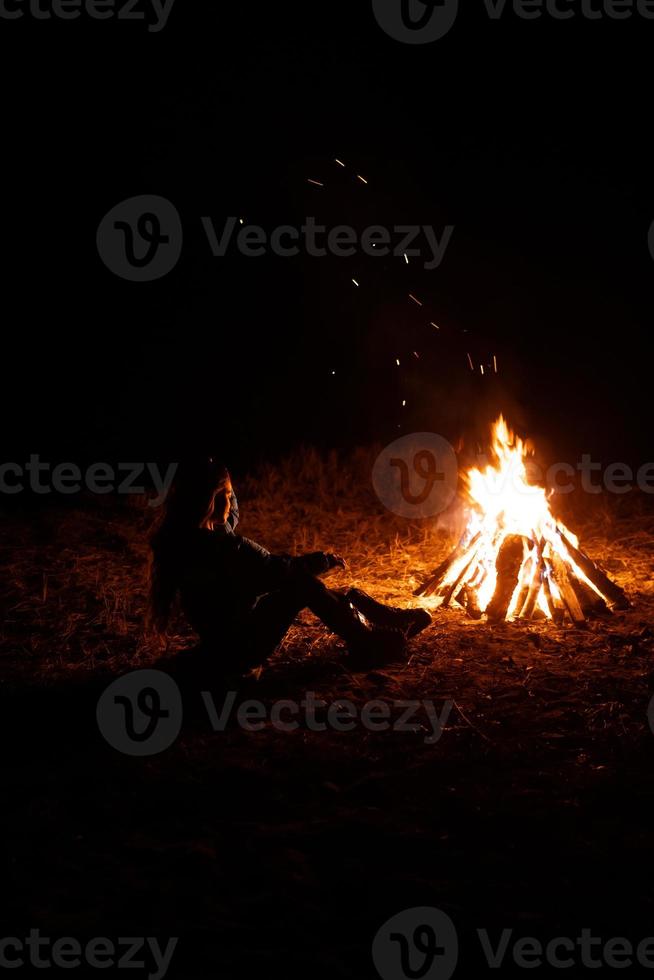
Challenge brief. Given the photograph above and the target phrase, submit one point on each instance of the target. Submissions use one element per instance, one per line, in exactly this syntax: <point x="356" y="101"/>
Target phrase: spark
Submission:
<point x="495" y="363"/>
<point x="472" y="367"/>
<point x="397" y="361"/>
<point x="362" y="179"/>
<point x="404" y="403"/>
<point x="416" y="301"/>
<point x="416" y="355"/>
<point x="316" y="182"/>
<point x="481" y="368"/>
<point x="355" y="282"/>
<point x="434" y="325"/>
<point x="406" y="258"/>
<point x="340" y="162"/>
<point x="242" y="221"/>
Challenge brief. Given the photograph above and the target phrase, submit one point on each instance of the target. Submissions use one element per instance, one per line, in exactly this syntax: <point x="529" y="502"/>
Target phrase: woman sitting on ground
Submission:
<point x="240" y="599"/>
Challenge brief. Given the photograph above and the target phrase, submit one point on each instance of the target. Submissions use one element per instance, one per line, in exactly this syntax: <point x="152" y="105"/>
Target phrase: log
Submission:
<point x="508" y="564"/>
<point x="600" y="580"/>
<point x="556" y="606"/>
<point x="431" y="584"/>
<point x="459" y="579"/>
<point x="567" y="592"/>
<point x="591" y="603"/>
<point x="527" y="609"/>
<point x="467" y="597"/>
<point x="434" y="580"/>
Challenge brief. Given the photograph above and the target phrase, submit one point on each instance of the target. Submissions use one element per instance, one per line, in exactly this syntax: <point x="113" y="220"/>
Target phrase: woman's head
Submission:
<point x="200" y="495"/>
<point x="199" y="498"/>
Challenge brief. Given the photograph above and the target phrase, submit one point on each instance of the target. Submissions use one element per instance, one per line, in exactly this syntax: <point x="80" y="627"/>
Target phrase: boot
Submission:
<point x="410" y="621"/>
<point x="369" y="646"/>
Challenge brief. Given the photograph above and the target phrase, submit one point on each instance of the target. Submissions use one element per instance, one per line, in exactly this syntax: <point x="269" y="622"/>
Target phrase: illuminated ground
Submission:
<point x="534" y="810"/>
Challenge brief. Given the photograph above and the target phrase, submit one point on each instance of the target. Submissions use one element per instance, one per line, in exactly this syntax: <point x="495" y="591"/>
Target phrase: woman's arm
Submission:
<point x="264" y="572"/>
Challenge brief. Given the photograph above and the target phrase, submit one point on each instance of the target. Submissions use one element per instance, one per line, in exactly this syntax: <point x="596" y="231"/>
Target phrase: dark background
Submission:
<point x="532" y="138"/>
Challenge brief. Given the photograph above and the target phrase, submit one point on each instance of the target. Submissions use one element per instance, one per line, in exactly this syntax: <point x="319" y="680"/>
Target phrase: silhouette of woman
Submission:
<point x="240" y="599"/>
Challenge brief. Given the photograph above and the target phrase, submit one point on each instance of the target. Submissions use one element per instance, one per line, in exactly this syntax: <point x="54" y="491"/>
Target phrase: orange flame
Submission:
<point x="504" y="502"/>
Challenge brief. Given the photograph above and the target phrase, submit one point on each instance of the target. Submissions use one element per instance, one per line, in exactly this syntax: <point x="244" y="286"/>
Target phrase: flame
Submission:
<point x="503" y="502"/>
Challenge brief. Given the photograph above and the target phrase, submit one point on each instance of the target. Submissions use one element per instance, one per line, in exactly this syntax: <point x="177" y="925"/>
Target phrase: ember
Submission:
<point x="515" y="559"/>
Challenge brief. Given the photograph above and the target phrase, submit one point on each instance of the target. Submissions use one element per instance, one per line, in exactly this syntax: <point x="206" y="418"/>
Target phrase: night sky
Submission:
<point x="531" y="138"/>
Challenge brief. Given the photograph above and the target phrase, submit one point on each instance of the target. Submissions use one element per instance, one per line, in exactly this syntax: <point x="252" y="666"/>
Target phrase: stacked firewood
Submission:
<point x="565" y="580"/>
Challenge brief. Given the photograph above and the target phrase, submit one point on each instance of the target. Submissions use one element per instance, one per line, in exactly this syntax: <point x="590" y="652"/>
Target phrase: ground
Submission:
<point x="286" y="851"/>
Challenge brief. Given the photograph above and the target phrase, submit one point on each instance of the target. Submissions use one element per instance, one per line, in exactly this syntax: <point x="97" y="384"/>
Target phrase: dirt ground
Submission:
<point x="285" y="852"/>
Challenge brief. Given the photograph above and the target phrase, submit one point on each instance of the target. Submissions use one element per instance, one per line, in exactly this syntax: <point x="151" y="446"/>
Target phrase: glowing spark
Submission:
<point x="340" y="162"/>
<point x="362" y="179"/>
<point x="316" y="182"/>
<point x="404" y="403"/>
<point x="495" y="363"/>
<point x="472" y="367"/>
<point x="242" y="221"/>
<point x="416" y="355"/>
<point x="416" y="301"/>
<point x="432" y="324"/>
<point x="406" y="258"/>
<point x="481" y="368"/>
<point x="397" y="361"/>
<point x="355" y="282"/>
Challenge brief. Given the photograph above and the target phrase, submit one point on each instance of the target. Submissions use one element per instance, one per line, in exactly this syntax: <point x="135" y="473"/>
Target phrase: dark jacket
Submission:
<point x="223" y="575"/>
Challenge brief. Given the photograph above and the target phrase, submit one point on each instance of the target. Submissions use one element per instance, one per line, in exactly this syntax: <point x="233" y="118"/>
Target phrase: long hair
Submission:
<point x="189" y="503"/>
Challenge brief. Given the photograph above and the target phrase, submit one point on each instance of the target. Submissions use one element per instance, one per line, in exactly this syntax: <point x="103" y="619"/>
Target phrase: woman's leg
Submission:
<point x="275" y="612"/>
<point x="412" y="621"/>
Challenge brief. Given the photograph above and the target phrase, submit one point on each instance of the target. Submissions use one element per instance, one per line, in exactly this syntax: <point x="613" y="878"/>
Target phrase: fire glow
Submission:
<point x="516" y="560"/>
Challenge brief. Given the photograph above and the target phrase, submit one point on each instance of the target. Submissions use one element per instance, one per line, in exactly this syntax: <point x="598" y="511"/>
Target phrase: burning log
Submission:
<point x="602" y="582"/>
<point x="515" y="560"/>
<point x="447" y="598"/>
<point x="528" y="607"/>
<point x="568" y="594"/>
<point x="471" y="604"/>
<point x="552" y="599"/>
<point x="433" y="582"/>
<point x="591" y="603"/>
<point x="508" y="564"/>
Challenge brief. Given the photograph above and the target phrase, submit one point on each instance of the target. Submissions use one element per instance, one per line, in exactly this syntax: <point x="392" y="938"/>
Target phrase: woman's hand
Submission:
<point x="335" y="561"/>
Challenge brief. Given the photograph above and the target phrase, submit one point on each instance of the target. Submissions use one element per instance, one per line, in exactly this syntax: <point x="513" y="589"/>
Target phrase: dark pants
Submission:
<point x="270" y="620"/>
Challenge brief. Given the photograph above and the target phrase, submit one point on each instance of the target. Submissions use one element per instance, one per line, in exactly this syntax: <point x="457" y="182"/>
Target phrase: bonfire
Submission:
<point x="516" y="560"/>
